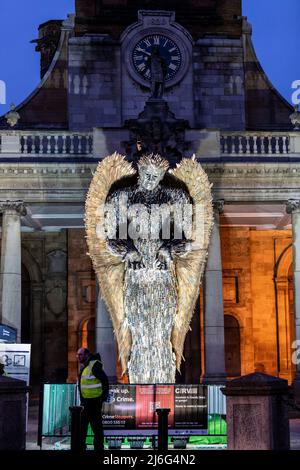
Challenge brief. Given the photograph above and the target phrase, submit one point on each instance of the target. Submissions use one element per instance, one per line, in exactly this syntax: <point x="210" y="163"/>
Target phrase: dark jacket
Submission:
<point x="99" y="373"/>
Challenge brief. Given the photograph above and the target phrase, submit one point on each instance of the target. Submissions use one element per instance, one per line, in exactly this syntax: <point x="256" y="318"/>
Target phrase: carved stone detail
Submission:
<point x="156" y="130"/>
<point x="56" y="261"/>
<point x="242" y="170"/>
<point x="56" y="297"/>
<point x="219" y="205"/>
<point x="292" y="205"/>
<point x="13" y="206"/>
<point x="12" y="117"/>
<point x="295" y="118"/>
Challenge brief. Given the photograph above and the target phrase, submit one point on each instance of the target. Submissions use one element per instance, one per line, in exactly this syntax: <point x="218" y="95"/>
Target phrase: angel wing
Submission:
<point x="108" y="267"/>
<point x="189" y="269"/>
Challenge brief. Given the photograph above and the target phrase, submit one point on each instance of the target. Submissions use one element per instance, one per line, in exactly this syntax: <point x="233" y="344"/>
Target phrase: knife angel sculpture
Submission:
<point x="148" y="233"/>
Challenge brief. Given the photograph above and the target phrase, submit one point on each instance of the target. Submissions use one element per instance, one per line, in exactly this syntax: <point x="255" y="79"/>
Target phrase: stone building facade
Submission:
<point x="94" y="99"/>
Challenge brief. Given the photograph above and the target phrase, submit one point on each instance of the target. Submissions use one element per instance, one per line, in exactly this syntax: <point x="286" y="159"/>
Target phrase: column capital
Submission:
<point x="13" y="206"/>
<point x="293" y="205"/>
<point x="219" y="205"/>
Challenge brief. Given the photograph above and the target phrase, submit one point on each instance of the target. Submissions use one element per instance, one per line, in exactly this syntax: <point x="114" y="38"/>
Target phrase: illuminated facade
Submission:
<point x="94" y="100"/>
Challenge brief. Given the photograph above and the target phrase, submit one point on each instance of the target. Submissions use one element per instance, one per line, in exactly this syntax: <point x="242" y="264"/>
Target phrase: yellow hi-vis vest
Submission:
<point x="90" y="386"/>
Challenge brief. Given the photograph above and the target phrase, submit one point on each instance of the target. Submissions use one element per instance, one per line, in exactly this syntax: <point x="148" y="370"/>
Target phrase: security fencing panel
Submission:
<point x="197" y="416"/>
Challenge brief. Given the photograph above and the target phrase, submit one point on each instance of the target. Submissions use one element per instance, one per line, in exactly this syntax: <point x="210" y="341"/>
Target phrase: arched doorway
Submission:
<point x="232" y="346"/>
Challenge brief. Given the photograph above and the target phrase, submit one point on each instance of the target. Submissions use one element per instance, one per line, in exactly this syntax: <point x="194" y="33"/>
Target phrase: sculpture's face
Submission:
<point x="150" y="177"/>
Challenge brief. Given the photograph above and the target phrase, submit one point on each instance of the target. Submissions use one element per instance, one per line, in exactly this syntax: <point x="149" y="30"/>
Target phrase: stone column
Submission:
<point x="293" y="208"/>
<point x="10" y="271"/>
<point x="105" y="340"/>
<point x="214" y="346"/>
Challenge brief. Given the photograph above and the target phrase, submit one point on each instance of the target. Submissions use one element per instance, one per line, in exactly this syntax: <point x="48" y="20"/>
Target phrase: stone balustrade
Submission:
<point x="205" y="143"/>
<point x="34" y="143"/>
<point x="257" y="143"/>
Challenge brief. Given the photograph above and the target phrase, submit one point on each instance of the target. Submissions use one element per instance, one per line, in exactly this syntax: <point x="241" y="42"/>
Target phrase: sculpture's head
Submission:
<point x="151" y="169"/>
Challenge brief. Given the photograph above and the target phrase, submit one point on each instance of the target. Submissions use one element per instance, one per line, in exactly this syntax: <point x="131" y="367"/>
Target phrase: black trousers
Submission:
<point x="92" y="413"/>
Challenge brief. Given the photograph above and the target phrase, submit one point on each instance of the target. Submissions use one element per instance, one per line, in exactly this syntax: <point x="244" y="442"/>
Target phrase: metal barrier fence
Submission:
<point x="55" y="419"/>
<point x="57" y="398"/>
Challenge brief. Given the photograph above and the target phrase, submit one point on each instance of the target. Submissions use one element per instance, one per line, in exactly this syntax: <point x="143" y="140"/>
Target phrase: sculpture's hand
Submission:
<point x="132" y="258"/>
<point x="164" y="258"/>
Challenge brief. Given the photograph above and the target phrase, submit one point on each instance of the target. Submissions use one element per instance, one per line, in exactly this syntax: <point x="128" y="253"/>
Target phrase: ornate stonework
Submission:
<point x="219" y="206"/>
<point x="293" y="205"/>
<point x="13" y="206"/>
<point x="12" y="117"/>
<point x="56" y="296"/>
<point x="157" y="130"/>
<point x="295" y="118"/>
<point x="56" y="262"/>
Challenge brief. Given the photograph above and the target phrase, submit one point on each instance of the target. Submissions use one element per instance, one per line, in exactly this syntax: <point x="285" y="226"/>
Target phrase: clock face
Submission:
<point x="168" y="51"/>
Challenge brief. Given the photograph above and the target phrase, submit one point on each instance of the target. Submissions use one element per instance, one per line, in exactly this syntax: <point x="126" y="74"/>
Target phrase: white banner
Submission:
<point x="16" y="360"/>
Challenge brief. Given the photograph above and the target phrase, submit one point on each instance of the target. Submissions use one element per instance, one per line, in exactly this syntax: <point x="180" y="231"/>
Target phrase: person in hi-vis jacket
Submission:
<point x="93" y="388"/>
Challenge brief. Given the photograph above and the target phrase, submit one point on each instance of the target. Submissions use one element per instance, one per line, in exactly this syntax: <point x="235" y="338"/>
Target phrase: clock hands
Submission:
<point x="143" y="51"/>
<point x="144" y="56"/>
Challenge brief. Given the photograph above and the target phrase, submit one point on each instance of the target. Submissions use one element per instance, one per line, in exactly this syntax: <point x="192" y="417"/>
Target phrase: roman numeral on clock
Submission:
<point x="144" y="51"/>
<point x="140" y="49"/>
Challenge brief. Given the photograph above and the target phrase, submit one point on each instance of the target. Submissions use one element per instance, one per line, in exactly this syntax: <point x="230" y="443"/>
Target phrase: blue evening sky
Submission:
<point x="275" y="34"/>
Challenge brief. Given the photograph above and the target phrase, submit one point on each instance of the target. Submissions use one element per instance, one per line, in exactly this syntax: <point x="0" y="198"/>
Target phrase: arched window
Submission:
<point x="87" y="334"/>
<point x="285" y="317"/>
<point x="232" y="346"/>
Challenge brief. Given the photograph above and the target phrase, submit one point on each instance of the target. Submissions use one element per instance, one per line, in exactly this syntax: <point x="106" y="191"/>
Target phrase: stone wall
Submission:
<point x="266" y="248"/>
<point x="81" y="295"/>
<point x="44" y="309"/>
<point x="199" y="16"/>
<point x="219" y="84"/>
<point x="94" y="83"/>
<point x="266" y="322"/>
<point x="102" y="93"/>
<point x="235" y="243"/>
<point x="179" y="98"/>
<point x="55" y="326"/>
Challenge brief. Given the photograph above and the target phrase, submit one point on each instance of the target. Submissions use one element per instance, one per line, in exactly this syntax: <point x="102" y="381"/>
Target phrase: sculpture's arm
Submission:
<point x="118" y="240"/>
<point x="179" y="246"/>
